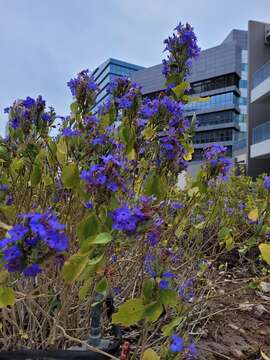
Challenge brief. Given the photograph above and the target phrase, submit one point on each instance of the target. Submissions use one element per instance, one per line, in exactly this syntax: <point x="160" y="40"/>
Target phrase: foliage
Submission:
<point x="100" y="203"/>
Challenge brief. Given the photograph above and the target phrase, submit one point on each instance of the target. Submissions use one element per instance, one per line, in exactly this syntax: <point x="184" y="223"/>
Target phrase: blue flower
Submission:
<point x="25" y="240"/>
<point x="32" y="270"/>
<point x="148" y="263"/>
<point x="12" y="253"/>
<point x="3" y="187"/>
<point x="89" y="205"/>
<point x="15" y="123"/>
<point x="18" y="232"/>
<point x="266" y="183"/>
<point x="68" y="132"/>
<point x="164" y="284"/>
<point x="84" y="82"/>
<point x="191" y="351"/>
<point x="153" y="238"/>
<point x="215" y="161"/>
<point x="29" y="102"/>
<point x="168" y="275"/>
<point x="126" y="219"/>
<point x="182" y="47"/>
<point x="177" y="344"/>
<point x="177" y="205"/>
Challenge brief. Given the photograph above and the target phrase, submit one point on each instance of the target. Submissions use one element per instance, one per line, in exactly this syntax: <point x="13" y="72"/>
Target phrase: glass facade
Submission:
<point x="213" y="136"/>
<point x="243" y="89"/>
<point x="106" y="72"/>
<point x="218" y="118"/>
<point x="214" y="102"/>
<point x="261" y="74"/>
<point x="261" y="133"/>
<point x="215" y="83"/>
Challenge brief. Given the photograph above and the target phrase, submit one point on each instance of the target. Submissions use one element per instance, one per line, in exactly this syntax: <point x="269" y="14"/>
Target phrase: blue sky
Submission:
<point x="45" y="42"/>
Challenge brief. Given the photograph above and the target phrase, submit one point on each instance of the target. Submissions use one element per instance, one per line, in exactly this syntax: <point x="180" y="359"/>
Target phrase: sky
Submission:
<point x="43" y="43"/>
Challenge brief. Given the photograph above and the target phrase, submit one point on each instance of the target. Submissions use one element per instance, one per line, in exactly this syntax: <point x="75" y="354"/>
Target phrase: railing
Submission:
<point x="261" y="74"/>
<point x="261" y="133"/>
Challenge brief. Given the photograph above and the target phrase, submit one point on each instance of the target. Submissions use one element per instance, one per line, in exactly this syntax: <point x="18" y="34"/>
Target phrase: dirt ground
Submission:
<point x="238" y="324"/>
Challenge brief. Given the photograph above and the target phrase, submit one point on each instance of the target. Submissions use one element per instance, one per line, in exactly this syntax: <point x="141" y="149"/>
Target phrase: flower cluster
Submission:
<point x="124" y="92"/>
<point x="107" y="175"/>
<point x="31" y="241"/>
<point x="69" y="132"/>
<point x="182" y="47"/>
<point x="126" y="219"/>
<point x="216" y="162"/>
<point x="84" y="88"/>
<point x="82" y="83"/>
<point x="178" y="346"/>
<point x="25" y="113"/>
<point x="170" y="130"/>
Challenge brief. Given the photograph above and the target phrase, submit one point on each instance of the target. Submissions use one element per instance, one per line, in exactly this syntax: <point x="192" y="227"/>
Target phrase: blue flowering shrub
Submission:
<point x="98" y="209"/>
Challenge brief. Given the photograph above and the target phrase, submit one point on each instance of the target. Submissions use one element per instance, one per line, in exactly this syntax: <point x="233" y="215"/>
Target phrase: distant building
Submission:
<point x="259" y="98"/>
<point x="107" y="71"/>
<point x="221" y="74"/>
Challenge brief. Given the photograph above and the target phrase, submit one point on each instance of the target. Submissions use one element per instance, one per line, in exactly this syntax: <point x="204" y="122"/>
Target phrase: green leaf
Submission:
<point x="95" y="260"/>
<point x="265" y="252"/>
<point x="61" y="152"/>
<point x="168" y="297"/>
<point x="180" y="89"/>
<point x="87" y="227"/>
<point x="4" y="153"/>
<point x="16" y="165"/>
<point x="74" y="266"/>
<point x="47" y="180"/>
<point x="74" y="107"/>
<point x="229" y="242"/>
<point x="127" y="134"/>
<point x="102" y="239"/>
<point x="150" y="354"/>
<point x="253" y="215"/>
<point x="4" y="274"/>
<point x="70" y="176"/>
<point x="7" y="296"/>
<point x="102" y="286"/>
<point x="148" y="287"/>
<point x="155" y="185"/>
<point x="9" y="212"/>
<point x="168" y="329"/>
<point x="85" y="289"/>
<point x="153" y="311"/>
<point x="36" y="175"/>
<point x="224" y="232"/>
<point x="129" y="313"/>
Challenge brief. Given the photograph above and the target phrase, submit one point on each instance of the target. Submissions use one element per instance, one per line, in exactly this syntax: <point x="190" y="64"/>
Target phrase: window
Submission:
<point x="217" y="118"/>
<point x="243" y="84"/>
<point x="214" y="102"/>
<point x="242" y="101"/>
<point x="215" y="83"/>
<point x="206" y="137"/>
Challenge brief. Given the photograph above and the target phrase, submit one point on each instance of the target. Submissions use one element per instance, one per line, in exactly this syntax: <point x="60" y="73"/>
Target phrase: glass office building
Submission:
<point x="107" y="71"/>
